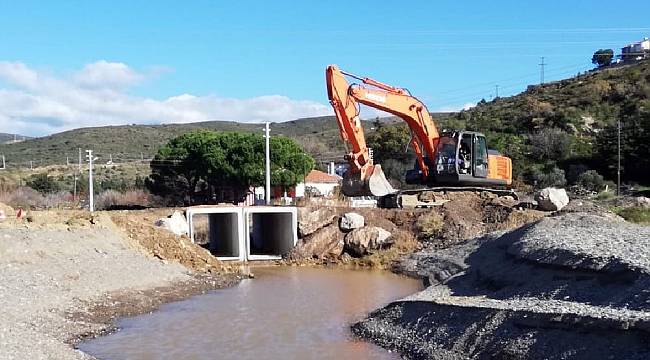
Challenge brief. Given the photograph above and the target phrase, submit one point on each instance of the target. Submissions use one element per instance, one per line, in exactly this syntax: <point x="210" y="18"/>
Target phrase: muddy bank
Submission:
<point x="66" y="275"/>
<point x="573" y="286"/>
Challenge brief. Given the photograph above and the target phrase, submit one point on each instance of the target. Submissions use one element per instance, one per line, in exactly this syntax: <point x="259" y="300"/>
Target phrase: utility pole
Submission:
<point x="31" y="165"/>
<point x="496" y="87"/>
<point x="618" y="168"/>
<point x="267" y="190"/>
<point x="80" y="161"/>
<point x="541" y="73"/>
<point x="91" y="204"/>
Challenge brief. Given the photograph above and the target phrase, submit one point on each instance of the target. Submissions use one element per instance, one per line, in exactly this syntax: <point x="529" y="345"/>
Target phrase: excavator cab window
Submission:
<point x="446" y="155"/>
<point x="465" y="154"/>
<point x="480" y="156"/>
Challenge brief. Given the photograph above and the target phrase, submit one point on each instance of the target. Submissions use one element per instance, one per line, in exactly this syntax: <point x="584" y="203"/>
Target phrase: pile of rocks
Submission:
<point x="326" y="235"/>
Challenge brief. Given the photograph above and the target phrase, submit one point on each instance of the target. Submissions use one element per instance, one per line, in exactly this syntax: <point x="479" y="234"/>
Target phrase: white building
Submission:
<point x="636" y="51"/>
<point x="321" y="182"/>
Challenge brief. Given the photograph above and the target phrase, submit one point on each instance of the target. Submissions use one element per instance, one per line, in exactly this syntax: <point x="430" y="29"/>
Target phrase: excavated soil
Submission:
<point x="160" y="243"/>
<point x="466" y="215"/>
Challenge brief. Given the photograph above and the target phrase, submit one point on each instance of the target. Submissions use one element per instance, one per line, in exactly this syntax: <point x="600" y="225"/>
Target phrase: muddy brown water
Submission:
<point x="284" y="313"/>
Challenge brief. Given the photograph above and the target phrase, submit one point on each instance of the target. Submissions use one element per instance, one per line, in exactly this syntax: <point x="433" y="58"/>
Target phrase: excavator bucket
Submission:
<point x="375" y="185"/>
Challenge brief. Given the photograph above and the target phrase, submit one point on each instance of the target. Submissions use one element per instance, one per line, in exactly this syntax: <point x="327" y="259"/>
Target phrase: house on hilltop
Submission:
<point x="636" y="51"/>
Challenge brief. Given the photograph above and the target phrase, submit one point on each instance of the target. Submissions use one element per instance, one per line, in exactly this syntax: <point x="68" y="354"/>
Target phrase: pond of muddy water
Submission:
<point x="284" y="313"/>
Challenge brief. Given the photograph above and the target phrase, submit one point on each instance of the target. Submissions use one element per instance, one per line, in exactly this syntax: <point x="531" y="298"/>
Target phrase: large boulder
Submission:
<point x="325" y="243"/>
<point x="364" y="240"/>
<point x="309" y="221"/>
<point x="551" y="199"/>
<point x="351" y="221"/>
<point x="642" y="201"/>
<point x="175" y="223"/>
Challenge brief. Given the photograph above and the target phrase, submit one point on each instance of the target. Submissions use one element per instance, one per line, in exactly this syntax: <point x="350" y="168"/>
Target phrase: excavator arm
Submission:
<point x="364" y="177"/>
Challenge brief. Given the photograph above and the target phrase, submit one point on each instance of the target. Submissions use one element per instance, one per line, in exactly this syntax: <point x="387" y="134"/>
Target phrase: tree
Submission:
<point x="602" y="57"/>
<point x="43" y="183"/>
<point x="551" y="144"/>
<point x="192" y="166"/>
<point x="390" y="142"/>
<point x="391" y="149"/>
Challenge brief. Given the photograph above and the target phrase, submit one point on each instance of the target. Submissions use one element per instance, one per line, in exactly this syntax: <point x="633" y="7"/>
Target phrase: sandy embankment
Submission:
<point x="66" y="275"/>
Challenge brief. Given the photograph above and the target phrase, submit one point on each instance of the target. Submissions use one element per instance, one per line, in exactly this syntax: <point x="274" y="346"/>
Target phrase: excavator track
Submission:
<point x="434" y="196"/>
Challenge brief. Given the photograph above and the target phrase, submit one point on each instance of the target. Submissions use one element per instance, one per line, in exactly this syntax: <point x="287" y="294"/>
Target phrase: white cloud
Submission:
<point x="36" y="103"/>
<point x="455" y="108"/>
<point x="102" y="74"/>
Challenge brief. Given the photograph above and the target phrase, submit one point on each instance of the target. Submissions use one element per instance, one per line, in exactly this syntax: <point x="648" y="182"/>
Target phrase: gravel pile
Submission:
<point x="46" y="274"/>
<point x="574" y="286"/>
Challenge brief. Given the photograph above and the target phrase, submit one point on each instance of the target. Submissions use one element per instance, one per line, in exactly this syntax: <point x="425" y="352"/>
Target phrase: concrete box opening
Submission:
<point x="220" y="230"/>
<point x="224" y="235"/>
<point x="271" y="232"/>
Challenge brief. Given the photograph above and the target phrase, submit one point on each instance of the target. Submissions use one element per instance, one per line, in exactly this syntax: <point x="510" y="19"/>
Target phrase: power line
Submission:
<point x="541" y="74"/>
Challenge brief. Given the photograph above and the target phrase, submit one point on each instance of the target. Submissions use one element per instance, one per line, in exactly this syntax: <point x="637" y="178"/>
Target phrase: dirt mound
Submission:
<point x="469" y="214"/>
<point x="139" y="226"/>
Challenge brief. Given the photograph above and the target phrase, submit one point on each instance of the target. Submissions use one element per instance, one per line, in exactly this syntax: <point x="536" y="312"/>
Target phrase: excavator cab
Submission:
<point x="463" y="159"/>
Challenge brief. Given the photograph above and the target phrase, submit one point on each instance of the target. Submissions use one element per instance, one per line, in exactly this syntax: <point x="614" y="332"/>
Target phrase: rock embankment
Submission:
<point x="573" y="286"/>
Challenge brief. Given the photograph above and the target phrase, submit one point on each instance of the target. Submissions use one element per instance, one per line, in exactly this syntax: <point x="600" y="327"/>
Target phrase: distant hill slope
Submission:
<point x="4" y="137"/>
<point x="319" y="136"/>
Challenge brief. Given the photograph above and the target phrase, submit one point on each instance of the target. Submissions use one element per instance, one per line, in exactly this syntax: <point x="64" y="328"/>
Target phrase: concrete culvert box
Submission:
<point x="222" y="228"/>
<point x="272" y="231"/>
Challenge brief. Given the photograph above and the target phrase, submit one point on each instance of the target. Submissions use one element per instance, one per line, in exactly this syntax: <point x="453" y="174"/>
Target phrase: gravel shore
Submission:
<point x="62" y="283"/>
<point x="573" y="286"/>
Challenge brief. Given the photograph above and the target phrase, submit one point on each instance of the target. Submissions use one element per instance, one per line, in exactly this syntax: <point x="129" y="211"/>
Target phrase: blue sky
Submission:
<point x="267" y="59"/>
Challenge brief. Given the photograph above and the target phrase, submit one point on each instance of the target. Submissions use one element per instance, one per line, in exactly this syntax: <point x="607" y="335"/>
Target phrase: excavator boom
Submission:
<point x="363" y="178"/>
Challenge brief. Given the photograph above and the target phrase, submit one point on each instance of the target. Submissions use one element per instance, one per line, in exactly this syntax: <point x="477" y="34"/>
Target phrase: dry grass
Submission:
<point x="429" y="225"/>
<point x="22" y="197"/>
<point x="111" y="199"/>
<point x="403" y="243"/>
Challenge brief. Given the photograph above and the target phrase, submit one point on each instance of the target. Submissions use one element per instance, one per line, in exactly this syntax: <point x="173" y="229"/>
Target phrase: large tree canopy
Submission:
<point x="201" y="161"/>
<point x="603" y="57"/>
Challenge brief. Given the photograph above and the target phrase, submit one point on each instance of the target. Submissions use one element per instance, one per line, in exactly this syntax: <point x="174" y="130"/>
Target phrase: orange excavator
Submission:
<point x="450" y="159"/>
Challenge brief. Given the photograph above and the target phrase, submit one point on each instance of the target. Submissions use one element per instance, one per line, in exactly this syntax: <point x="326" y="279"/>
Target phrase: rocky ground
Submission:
<point x="572" y="286"/>
<point x="383" y="236"/>
<point x="67" y="275"/>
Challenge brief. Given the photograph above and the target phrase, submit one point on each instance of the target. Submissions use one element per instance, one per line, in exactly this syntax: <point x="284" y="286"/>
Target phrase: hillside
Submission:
<point x="572" y="123"/>
<point x="4" y="137"/>
<point x="556" y="131"/>
<point x="131" y="142"/>
<point x="319" y="136"/>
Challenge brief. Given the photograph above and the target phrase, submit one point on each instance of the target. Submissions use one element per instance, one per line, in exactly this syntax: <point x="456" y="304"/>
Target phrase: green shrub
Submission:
<point x="549" y="178"/>
<point x="637" y="215"/>
<point x="43" y="183"/>
<point x="605" y="195"/>
<point x="591" y="180"/>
